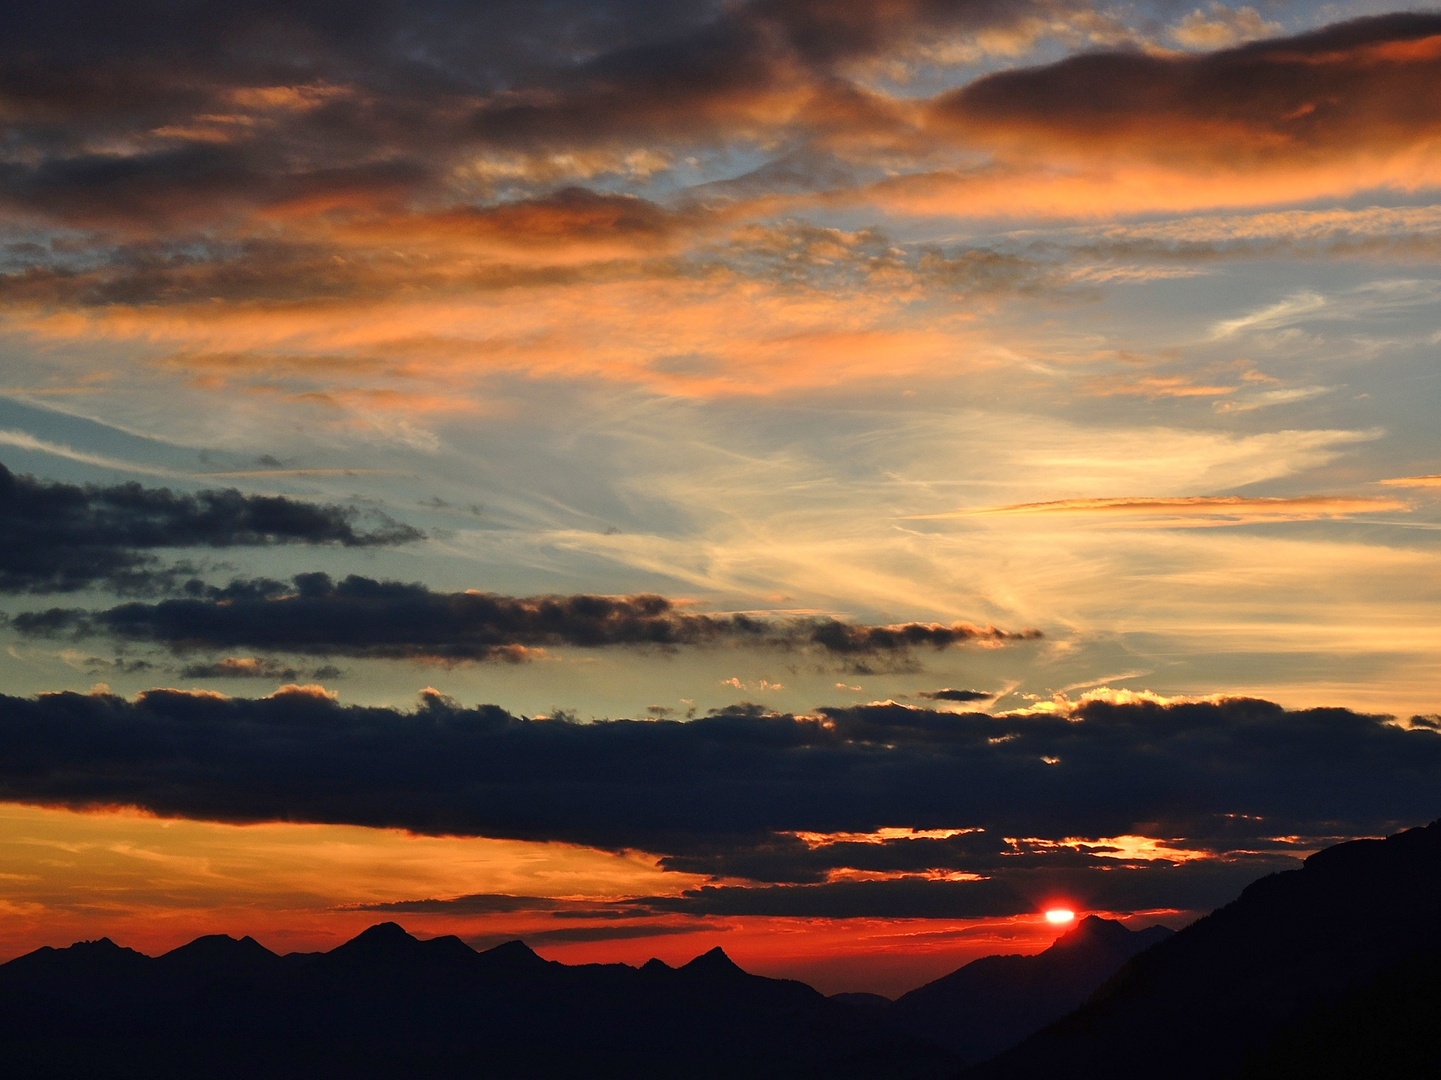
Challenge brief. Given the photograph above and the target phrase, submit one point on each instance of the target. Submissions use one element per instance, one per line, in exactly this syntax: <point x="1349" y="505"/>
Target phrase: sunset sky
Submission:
<point x="828" y="478"/>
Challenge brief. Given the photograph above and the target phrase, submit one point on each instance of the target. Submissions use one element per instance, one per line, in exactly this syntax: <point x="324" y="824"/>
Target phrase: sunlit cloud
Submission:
<point x="1219" y="27"/>
<point x="1413" y="481"/>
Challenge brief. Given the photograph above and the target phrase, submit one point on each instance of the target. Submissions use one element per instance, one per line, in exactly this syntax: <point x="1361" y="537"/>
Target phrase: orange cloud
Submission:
<point x="1328" y="113"/>
<point x="1413" y="481"/>
<point x="715" y="333"/>
<point x="1339" y="93"/>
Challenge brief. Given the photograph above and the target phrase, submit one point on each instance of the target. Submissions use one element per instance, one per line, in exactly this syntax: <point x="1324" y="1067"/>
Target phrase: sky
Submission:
<point x="827" y="479"/>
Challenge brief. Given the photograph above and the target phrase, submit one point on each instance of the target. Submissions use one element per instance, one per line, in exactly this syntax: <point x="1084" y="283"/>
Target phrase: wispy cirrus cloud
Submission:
<point x="1197" y="511"/>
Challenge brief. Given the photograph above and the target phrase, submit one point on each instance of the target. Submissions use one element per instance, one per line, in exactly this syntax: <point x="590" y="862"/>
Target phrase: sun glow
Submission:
<point x="1059" y="916"/>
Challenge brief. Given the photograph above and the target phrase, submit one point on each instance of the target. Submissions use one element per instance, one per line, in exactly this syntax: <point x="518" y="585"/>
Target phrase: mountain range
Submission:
<point x="1329" y="971"/>
<point x="388" y="1004"/>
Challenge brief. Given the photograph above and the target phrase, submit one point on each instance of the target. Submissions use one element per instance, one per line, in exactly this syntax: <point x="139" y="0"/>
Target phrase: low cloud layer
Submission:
<point x="810" y="803"/>
<point x="361" y="617"/>
<point x="61" y="537"/>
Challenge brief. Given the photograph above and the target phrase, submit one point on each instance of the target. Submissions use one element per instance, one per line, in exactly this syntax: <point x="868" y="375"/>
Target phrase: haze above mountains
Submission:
<point x="1322" y="969"/>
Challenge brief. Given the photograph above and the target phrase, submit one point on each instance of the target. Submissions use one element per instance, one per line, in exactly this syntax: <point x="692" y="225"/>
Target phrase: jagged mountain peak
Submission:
<point x="220" y="944"/>
<point x="713" y="961"/>
<point x="514" y="954"/>
<point x="1096" y="930"/>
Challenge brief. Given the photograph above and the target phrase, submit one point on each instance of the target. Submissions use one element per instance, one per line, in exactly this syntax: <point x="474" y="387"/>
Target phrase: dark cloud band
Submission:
<point x="361" y="617"/>
<point x="60" y="537"/>
<point x="743" y="793"/>
<point x="227" y="107"/>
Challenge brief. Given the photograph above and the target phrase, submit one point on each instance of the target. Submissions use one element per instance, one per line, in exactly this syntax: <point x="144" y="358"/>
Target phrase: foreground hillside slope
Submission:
<point x="1386" y="1029"/>
<point x="1204" y="1002"/>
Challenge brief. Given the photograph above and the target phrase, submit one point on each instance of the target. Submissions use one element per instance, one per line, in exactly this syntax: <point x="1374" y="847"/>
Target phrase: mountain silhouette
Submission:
<point x="386" y="1004"/>
<point x="995" y="1002"/>
<point x="1234" y="986"/>
<point x="1386" y="1029"/>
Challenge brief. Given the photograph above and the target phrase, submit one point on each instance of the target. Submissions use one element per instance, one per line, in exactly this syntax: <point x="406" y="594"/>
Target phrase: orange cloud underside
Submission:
<point x="1052" y="184"/>
<point x="676" y="337"/>
<point x="154" y="883"/>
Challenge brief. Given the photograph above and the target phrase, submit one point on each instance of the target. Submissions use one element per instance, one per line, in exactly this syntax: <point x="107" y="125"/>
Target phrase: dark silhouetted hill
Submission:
<point x="388" y="1005"/>
<point x="1203" y="1002"/>
<point x="1388" y="1029"/>
<point x="995" y="1002"/>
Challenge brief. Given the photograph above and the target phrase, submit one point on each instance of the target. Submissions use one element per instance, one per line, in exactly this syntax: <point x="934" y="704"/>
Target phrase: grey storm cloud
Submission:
<point x="768" y="797"/>
<point x="57" y="537"/>
<point x="361" y="617"/>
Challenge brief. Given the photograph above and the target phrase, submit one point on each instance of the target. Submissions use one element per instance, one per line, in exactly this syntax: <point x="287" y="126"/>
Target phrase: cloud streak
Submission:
<point x="1196" y="511"/>
<point x="1412" y="481"/>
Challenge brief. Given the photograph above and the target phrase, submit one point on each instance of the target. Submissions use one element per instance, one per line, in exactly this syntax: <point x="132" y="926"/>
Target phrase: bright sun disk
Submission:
<point x="1059" y="915"/>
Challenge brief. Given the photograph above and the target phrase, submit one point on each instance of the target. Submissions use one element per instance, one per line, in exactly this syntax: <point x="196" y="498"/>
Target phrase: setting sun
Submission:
<point x="1059" y="915"/>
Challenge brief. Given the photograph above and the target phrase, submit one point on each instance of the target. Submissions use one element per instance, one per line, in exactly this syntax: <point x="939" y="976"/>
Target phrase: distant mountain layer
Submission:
<point x="388" y="1005"/>
<point x="995" y="1002"/>
<point x="1324" y="954"/>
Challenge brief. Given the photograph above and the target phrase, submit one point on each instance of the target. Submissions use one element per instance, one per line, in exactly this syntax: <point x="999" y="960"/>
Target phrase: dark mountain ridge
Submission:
<point x="386" y="1004"/>
<point x="1200" y="1004"/>
<point x="996" y="1001"/>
